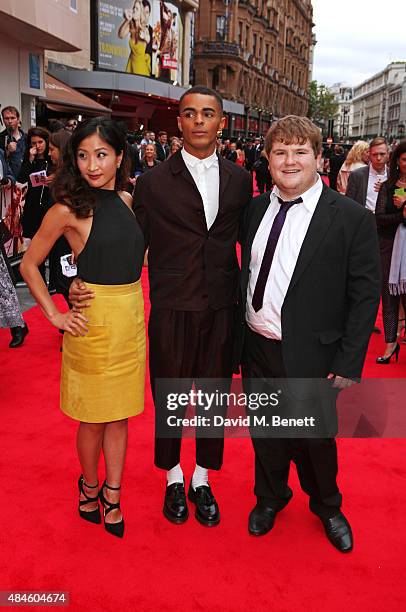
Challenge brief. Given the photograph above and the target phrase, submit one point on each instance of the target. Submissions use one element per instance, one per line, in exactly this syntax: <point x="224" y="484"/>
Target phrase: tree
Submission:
<point x="322" y="106"/>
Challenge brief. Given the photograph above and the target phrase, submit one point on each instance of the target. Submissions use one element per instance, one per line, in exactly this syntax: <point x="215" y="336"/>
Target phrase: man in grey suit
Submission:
<point x="364" y="184"/>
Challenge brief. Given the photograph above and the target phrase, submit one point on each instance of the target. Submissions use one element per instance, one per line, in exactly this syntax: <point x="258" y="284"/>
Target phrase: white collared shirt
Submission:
<point x="205" y="173"/>
<point x="267" y="321"/>
<point x="372" y="195"/>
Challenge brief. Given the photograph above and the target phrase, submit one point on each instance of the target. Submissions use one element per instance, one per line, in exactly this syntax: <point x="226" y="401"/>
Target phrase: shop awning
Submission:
<point x="131" y="83"/>
<point x="62" y="98"/>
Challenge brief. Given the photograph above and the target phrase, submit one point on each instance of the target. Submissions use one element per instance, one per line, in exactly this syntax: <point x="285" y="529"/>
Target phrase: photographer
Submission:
<point x="12" y="139"/>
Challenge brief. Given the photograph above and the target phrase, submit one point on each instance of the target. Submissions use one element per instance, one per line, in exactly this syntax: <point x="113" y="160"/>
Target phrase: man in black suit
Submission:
<point x="162" y="147"/>
<point x="249" y="151"/>
<point x="190" y="209"/>
<point x="310" y="292"/>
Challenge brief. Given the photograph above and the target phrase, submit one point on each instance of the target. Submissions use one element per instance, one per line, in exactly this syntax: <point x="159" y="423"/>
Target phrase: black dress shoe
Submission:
<point x="175" y="506"/>
<point x="17" y="335"/>
<point x="339" y="532"/>
<point x="207" y="510"/>
<point x="261" y="520"/>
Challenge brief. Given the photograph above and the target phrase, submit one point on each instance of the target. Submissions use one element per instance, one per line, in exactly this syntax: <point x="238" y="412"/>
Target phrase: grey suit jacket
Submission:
<point x="357" y="187"/>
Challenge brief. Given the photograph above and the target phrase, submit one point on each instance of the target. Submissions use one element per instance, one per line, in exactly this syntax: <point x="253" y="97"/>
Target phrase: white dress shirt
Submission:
<point x="267" y="321"/>
<point x="372" y="195"/>
<point x="205" y="173"/>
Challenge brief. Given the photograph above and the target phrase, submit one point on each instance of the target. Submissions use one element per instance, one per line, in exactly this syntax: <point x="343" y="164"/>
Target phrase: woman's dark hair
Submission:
<point x="41" y="133"/>
<point x="393" y="174"/>
<point x="60" y="141"/>
<point x="54" y="125"/>
<point x="70" y="187"/>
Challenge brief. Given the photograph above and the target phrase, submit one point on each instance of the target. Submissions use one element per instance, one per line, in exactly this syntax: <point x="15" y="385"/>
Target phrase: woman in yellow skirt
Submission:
<point x="103" y="358"/>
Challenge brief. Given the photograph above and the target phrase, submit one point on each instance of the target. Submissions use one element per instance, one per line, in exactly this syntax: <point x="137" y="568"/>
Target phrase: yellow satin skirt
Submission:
<point x="103" y="372"/>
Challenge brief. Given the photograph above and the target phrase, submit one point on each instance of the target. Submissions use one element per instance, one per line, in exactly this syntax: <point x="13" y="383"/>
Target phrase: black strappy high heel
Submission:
<point x="116" y="529"/>
<point x="93" y="516"/>
<point x="386" y="360"/>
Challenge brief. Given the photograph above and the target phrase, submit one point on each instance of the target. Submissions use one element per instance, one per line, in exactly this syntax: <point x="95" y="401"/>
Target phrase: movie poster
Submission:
<point x="11" y="208"/>
<point x="140" y="37"/>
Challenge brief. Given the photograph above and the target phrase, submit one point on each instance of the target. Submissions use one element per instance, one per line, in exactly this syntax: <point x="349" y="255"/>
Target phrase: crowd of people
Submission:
<point x="307" y="293"/>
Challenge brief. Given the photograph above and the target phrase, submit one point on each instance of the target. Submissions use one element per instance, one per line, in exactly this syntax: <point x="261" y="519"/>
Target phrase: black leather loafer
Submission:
<point x="175" y="506"/>
<point x="261" y="520"/>
<point x="338" y="531"/>
<point x="17" y="336"/>
<point x="207" y="510"/>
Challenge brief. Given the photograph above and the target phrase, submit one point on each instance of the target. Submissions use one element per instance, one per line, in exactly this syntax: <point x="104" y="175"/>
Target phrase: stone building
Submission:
<point x="255" y="52"/>
<point x="379" y="104"/>
<point x="108" y="70"/>
<point x="343" y="94"/>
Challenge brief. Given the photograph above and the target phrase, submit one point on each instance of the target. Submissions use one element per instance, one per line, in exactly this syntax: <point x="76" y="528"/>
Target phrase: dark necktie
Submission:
<point x="258" y="297"/>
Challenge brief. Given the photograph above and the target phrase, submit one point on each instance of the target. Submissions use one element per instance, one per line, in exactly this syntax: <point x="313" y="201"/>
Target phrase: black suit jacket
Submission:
<point x="162" y="151"/>
<point x="357" y="186"/>
<point x="332" y="300"/>
<point x="191" y="268"/>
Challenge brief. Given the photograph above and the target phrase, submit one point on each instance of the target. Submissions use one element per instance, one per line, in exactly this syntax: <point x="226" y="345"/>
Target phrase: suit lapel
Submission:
<point x="365" y="186"/>
<point x="225" y="176"/>
<point x="322" y="218"/>
<point x="178" y="166"/>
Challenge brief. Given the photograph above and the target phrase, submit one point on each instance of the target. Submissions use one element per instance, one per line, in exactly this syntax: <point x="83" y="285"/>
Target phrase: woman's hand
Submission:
<point x="33" y="153"/>
<point x="72" y="321"/>
<point x="398" y="201"/>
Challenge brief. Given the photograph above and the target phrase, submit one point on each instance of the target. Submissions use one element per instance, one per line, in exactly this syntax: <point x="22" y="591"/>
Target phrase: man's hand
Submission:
<point x="11" y="147"/>
<point x="79" y="295"/>
<point x="378" y="185"/>
<point x="340" y="382"/>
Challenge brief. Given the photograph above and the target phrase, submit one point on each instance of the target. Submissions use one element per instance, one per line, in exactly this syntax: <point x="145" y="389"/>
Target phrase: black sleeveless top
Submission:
<point x="114" y="251"/>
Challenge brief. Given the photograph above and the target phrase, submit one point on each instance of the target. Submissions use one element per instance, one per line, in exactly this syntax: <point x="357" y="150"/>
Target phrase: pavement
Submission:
<point x="24" y="297"/>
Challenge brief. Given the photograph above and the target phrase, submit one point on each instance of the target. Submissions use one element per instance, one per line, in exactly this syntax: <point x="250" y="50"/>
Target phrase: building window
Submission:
<point x="254" y="50"/>
<point x="221" y="27"/>
<point x="74" y="5"/>
<point x="247" y="36"/>
<point x="215" y="78"/>
<point x="240" y="28"/>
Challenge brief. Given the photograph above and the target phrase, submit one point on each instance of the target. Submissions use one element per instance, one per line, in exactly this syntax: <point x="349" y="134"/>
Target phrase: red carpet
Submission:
<point x="45" y="545"/>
